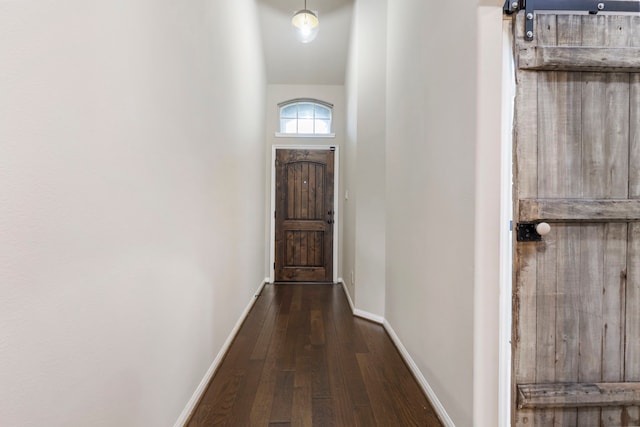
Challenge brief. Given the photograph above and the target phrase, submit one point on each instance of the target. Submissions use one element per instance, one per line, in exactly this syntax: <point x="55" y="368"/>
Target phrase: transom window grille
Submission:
<point x="305" y="117"/>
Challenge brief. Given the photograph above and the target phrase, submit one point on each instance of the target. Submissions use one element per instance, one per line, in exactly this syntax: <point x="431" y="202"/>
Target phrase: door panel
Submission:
<point x="304" y="215"/>
<point x="576" y="332"/>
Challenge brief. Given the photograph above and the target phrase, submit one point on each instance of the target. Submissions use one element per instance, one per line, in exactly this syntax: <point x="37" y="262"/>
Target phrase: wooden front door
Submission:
<point x="576" y="332"/>
<point x="304" y="215"/>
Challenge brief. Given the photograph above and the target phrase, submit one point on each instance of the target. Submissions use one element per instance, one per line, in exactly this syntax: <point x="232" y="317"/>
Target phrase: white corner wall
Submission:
<point x="350" y="162"/>
<point x="131" y="203"/>
<point x="492" y="296"/>
<point x="364" y="271"/>
<point x="443" y="198"/>
<point x="431" y="149"/>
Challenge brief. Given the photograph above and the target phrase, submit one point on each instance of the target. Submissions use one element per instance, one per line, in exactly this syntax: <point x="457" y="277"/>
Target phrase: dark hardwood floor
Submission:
<point x="302" y="359"/>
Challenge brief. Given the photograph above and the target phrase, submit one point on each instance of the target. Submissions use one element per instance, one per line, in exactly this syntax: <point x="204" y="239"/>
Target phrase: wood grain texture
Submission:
<point x="578" y="395"/>
<point x="605" y="135"/>
<point x="526" y="128"/>
<point x="524" y="297"/>
<point x="563" y="58"/>
<point x="304" y="215"/>
<point x="321" y="366"/>
<point x="613" y="311"/>
<point x="634" y="135"/>
<point x="632" y="316"/>
<point x="567" y="314"/>
<point x="605" y="104"/>
<point x="546" y="291"/>
<point x="559" y="135"/>
<point x="585" y="210"/>
<point x="576" y="155"/>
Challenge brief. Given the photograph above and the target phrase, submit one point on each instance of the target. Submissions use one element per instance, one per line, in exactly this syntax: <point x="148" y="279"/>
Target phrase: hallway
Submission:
<point x="136" y="153"/>
<point x="302" y="359"/>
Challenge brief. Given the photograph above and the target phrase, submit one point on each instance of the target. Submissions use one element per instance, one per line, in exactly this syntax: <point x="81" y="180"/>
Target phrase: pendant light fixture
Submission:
<point x="305" y="24"/>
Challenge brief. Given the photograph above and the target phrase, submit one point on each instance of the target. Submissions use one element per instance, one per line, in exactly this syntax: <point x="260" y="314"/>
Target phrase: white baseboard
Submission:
<point x="368" y="316"/>
<point x="197" y="395"/>
<point x="442" y="413"/>
<point x="422" y="381"/>
<point x="356" y="311"/>
<point x="346" y="292"/>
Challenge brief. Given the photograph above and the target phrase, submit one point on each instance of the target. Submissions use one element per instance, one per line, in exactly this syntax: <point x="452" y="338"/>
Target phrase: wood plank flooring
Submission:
<point x="302" y="359"/>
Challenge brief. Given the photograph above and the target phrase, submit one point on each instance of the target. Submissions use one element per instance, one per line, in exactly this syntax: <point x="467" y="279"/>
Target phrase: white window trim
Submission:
<point x="305" y="135"/>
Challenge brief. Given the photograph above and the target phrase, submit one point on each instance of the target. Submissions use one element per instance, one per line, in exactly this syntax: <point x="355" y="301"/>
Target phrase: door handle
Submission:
<point x="531" y="231"/>
<point x="329" y="221"/>
<point x="543" y="228"/>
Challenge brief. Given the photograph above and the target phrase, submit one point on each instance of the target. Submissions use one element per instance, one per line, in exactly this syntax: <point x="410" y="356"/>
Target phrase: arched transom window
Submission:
<point x="305" y="116"/>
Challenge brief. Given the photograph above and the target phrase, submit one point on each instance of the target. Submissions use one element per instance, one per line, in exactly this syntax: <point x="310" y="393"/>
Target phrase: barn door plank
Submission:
<point x="567" y="395"/>
<point x="525" y="157"/>
<point x="614" y="286"/>
<point x="546" y="321"/>
<point x="525" y="263"/>
<point x="613" y="311"/>
<point x="634" y="137"/>
<point x="548" y="186"/>
<point x="569" y="171"/>
<point x="568" y="314"/>
<point x="632" y="313"/>
<point x="590" y="302"/>
<point x="632" y="332"/>
<point x="605" y="135"/>
<point x="560" y="123"/>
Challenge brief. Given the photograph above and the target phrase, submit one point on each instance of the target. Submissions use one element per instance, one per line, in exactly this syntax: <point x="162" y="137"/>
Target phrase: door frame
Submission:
<point x="336" y="205"/>
<point x="506" y="217"/>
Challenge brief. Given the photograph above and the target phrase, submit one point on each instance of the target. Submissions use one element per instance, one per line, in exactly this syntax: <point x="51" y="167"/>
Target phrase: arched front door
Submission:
<point x="304" y="215"/>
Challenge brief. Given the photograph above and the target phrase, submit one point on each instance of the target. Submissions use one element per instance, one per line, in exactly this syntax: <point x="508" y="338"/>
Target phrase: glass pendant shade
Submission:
<point x="306" y="25"/>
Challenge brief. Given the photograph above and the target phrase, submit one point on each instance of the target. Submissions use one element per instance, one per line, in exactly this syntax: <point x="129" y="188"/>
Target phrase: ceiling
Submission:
<point x="322" y="61"/>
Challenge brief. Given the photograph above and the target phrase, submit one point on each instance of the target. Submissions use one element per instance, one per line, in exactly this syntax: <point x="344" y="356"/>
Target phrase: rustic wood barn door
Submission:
<point x="576" y="332"/>
<point x="304" y="215"/>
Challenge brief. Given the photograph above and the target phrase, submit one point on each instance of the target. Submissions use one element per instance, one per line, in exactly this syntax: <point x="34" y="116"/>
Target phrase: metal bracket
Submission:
<point x="589" y="6"/>
<point x="526" y="232"/>
<point x="511" y="6"/>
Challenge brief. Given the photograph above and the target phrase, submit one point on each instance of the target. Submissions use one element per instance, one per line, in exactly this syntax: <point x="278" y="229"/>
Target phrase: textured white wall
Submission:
<point x="131" y="203"/>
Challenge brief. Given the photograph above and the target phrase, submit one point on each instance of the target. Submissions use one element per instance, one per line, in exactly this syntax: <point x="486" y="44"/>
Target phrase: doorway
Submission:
<point x="305" y="216"/>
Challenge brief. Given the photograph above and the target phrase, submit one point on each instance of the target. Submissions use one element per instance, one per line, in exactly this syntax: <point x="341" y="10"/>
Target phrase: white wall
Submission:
<point x="443" y="188"/>
<point x="365" y="158"/>
<point x="277" y="93"/>
<point x="431" y="149"/>
<point x="350" y="162"/>
<point x="492" y="215"/>
<point x="131" y="203"/>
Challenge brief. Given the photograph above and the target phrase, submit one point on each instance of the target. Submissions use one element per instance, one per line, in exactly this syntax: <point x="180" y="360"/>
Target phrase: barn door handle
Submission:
<point x="330" y="212"/>
<point x="531" y="231"/>
<point x="330" y="221"/>
<point x="543" y="228"/>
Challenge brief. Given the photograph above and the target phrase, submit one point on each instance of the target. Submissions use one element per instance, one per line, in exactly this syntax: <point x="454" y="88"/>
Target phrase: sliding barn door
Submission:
<point x="576" y="334"/>
<point x="304" y="215"/>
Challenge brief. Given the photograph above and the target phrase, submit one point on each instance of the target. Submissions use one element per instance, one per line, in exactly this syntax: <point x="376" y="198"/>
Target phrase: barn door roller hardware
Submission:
<point x="590" y="6"/>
